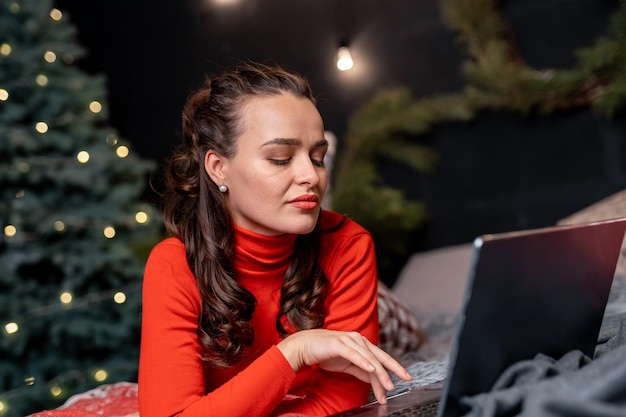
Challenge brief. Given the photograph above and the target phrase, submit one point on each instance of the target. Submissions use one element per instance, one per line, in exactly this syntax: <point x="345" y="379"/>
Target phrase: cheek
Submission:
<point x="324" y="180"/>
<point x="256" y="181"/>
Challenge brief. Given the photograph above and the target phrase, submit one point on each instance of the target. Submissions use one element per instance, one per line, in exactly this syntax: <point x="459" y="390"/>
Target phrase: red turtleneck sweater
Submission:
<point x="173" y="380"/>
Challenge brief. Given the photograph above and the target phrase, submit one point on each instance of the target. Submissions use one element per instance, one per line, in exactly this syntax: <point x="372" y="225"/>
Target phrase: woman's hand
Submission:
<point x="347" y="352"/>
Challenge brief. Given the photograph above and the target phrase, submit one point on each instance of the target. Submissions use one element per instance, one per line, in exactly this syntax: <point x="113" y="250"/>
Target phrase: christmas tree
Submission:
<point x="75" y="228"/>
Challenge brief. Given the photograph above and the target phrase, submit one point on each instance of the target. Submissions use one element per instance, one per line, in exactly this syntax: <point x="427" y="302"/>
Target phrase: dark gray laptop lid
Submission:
<point x="537" y="291"/>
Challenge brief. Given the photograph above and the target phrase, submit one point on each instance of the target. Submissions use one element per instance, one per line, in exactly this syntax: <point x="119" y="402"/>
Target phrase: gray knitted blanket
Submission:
<point x="571" y="386"/>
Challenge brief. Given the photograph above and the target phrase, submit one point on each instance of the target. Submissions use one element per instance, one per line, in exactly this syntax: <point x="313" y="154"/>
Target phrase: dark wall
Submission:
<point x="504" y="172"/>
<point x="154" y="53"/>
<point x="499" y="172"/>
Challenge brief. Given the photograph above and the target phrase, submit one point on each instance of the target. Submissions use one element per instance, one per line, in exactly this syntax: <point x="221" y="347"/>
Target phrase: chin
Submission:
<point x="303" y="226"/>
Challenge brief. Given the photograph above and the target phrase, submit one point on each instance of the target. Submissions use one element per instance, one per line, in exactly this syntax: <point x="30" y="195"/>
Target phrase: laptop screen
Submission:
<point x="538" y="291"/>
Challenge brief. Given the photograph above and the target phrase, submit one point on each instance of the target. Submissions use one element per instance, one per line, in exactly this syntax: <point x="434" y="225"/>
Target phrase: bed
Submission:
<point x="417" y="322"/>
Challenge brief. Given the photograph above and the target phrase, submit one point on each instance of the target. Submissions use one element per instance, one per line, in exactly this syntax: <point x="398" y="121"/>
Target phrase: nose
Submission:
<point x="307" y="172"/>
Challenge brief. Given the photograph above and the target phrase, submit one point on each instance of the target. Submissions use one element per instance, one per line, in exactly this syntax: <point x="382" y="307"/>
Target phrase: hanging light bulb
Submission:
<point x="344" y="58"/>
<point x="225" y="3"/>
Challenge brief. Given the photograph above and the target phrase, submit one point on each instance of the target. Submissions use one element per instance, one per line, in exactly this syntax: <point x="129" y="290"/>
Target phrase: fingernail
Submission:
<point x="390" y="386"/>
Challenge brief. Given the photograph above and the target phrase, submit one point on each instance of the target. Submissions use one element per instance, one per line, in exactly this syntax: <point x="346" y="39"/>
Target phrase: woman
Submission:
<point x="261" y="303"/>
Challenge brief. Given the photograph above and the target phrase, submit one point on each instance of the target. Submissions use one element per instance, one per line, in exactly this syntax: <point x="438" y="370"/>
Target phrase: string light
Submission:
<point x="141" y="217"/>
<point x="59" y="226"/>
<point x="10" y="230"/>
<point x="100" y="375"/>
<point x="109" y="232"/>
<point x="112" y="140"/>
<point x="95" y="107"/>
<point x="82" y="157"/>
<point x="41" y="80"/>
<point x="55" y="385"/>
<point x="66" y="297"/>
<point x="122" y="151"/>
<point x="66" y="300"/>
<point x="56" y="390"/>
<point x="56" y="14"/>
<point x="41" y="127"/>
<point x="119" y="297"/>
<point x="5" y="49"/>
<point x="50" y="57"/>
<point x="11" y="327"/>
<point x="86" y="301"/>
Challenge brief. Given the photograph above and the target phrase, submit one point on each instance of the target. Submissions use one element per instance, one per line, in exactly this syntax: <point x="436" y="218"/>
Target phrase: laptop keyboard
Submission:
<point x="419" y="410"/>
<point x="422" y="374"/>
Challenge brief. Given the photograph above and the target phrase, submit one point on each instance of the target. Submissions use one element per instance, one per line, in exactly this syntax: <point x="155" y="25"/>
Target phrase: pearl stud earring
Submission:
<point x="223" y="188"/>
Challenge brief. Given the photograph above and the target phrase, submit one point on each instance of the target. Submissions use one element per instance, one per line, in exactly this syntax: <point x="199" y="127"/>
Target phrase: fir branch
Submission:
<point x="392" y="123"/>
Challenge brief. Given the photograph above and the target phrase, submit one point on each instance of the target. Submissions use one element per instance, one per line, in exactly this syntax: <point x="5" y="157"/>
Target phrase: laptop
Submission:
<point x="528" y="292"/>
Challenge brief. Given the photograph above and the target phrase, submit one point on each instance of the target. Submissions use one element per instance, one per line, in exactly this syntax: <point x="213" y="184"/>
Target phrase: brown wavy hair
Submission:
<point x="196" y="212"/>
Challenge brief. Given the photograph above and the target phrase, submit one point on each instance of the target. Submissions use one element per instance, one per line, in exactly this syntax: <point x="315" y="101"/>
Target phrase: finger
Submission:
<point x="358" y="373"/>
<point x="379" y="378"/>
<point x="388" y="361"/>
<point x="379" y="391"/>
<point x="381" y="360"/>
<point x="382" y="378"/>
<point x="355" y="351"/>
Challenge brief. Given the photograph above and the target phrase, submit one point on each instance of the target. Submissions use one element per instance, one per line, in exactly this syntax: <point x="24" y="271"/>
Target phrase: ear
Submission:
<point x="216" y="166"/>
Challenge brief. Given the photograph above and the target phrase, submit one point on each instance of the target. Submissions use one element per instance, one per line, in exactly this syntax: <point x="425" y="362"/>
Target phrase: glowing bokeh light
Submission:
<point x="56" y="14"/>
<point x="344" y="59"/>
<point x="10" y="230"/>
<point x="82" y="157"/>
<point x="119" y="297"/>
<point x="41" y="127"/>
<point x="141" y="217"/>
<point x="95" y="107"/>
<point x="49" y="57"/>
<point x="109" y="232"/>
<point x="66" y="297"/>
<point x="122" y="151"/>
<point x="5" y="49"/>
<point x="11" y="327"/>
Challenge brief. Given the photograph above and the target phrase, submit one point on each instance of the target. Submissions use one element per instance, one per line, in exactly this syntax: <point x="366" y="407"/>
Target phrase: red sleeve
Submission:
<point x="350" y="265"/>
<point x="171" y="372"/>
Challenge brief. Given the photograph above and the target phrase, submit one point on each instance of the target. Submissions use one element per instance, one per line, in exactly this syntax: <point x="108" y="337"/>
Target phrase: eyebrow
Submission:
<point x="294" y="142"/>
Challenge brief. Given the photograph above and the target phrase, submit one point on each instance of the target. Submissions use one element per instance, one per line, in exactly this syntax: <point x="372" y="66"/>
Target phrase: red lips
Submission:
<point x="305" y="201"/>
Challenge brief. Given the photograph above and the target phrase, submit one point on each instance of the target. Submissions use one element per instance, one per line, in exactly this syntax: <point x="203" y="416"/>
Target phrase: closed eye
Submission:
<point x="280" y="162"/>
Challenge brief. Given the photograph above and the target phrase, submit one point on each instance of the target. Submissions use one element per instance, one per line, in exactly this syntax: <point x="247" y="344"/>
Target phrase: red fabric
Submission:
<point x="174" y="381"/>
<point x="114" y="400"/>
<point x="65" y="413"/>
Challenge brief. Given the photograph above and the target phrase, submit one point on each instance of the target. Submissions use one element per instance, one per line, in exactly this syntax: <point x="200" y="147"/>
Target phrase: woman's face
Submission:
<point x="277" y="179"/>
